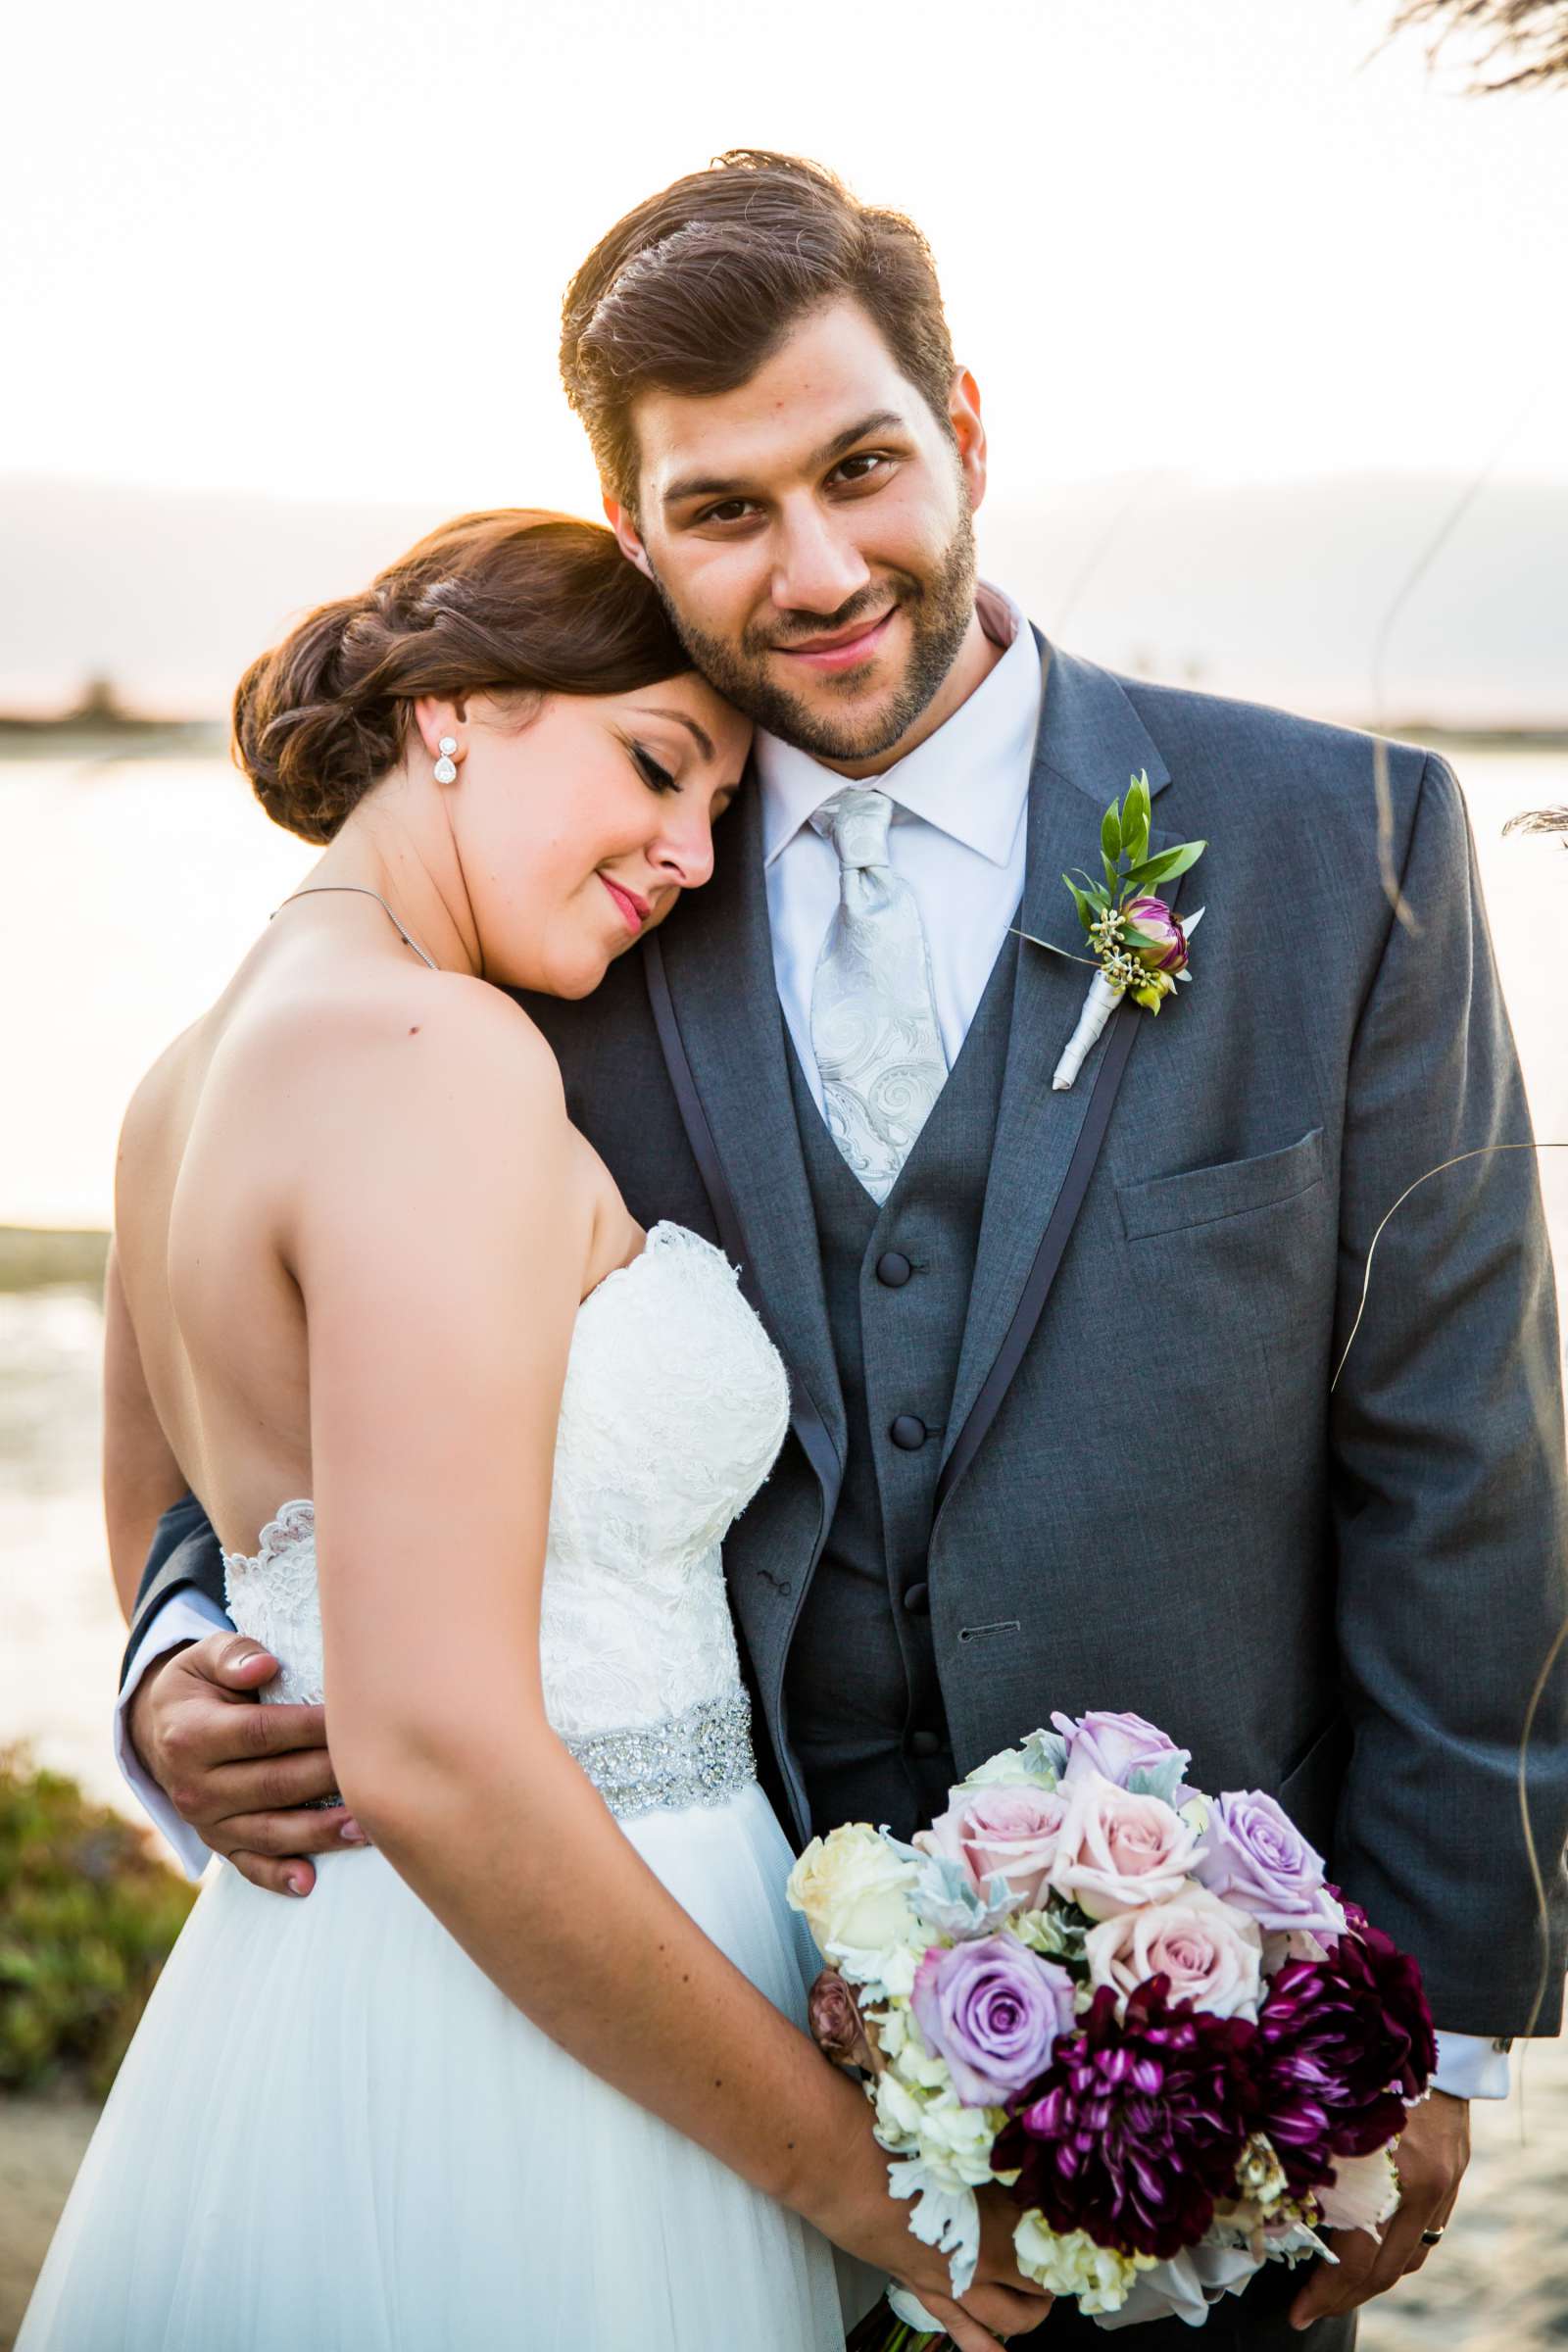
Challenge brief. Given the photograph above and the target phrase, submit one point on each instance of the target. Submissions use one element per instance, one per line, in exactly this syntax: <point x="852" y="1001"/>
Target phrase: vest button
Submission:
<point x="925" y="1744"/>
<point x="894" y="1269"/>
<point x="918" y="1600"/>
<point x="908" y="1432"/>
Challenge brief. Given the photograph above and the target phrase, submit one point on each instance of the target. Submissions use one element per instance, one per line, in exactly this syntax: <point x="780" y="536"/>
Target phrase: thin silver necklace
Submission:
<point x="320" y="889"/>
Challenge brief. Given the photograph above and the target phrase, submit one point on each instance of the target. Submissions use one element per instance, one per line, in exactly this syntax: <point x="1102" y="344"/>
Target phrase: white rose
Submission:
<point x="853" y="1892"/>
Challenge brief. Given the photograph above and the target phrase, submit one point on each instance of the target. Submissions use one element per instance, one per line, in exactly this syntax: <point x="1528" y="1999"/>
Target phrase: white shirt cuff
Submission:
<point x="1470" y="2067"/>
<point x="186" y="1616"/>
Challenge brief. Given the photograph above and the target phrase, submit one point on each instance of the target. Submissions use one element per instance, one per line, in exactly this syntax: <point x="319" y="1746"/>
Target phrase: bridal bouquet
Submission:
<point x="1139" y="2009"/>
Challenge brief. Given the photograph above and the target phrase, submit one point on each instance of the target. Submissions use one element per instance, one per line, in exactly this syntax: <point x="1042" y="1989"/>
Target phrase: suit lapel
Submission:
<point x="1091" y="743"/>
<point x="710" y="982"/>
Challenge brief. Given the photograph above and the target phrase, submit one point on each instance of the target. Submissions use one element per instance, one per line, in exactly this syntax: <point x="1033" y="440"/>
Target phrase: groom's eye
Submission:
<point x="728" y="510"/>
<point x="865" y="467"/>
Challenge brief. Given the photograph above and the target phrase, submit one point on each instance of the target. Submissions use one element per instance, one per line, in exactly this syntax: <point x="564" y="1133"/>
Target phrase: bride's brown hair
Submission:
<point x="514" y="602"/>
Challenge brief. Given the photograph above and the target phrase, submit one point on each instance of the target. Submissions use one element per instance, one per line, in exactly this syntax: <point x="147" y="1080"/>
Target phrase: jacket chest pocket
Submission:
<point x="1236" y="1188"/>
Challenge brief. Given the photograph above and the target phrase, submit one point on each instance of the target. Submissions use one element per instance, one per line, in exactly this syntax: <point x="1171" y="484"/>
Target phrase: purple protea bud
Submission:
<point x="1161" y="946"/>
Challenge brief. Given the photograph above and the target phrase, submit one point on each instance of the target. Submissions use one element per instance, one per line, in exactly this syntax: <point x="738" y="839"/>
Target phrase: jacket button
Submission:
<point x="925" y="1744"/>
<point x="894" y="1269"/>
<point x="918" y="1600"/>
<point x="908" y="1432"/>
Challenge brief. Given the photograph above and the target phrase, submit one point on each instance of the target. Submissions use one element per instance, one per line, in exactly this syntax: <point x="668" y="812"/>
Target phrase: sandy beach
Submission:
<point x="41" y="2143"/>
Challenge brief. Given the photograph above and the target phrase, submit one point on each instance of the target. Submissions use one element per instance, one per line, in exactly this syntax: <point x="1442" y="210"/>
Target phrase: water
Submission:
<point x="130" y="891"/>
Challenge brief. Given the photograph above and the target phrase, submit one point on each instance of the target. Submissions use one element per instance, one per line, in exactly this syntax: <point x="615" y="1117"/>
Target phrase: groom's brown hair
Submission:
<point x="692" y="290"/>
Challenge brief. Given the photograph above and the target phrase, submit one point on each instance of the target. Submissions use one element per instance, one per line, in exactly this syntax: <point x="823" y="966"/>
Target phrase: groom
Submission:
<point x="1066" y="1427"/>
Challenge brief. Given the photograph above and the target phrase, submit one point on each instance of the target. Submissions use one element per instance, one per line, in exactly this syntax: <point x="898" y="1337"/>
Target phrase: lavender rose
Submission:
<point x="992" y="2010"/>
<point x="1256" y="1858"/>
<point x="1114" y="1746"/>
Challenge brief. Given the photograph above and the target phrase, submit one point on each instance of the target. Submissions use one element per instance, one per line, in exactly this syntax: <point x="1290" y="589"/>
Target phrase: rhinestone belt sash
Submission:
<point x="695" y="1758"/>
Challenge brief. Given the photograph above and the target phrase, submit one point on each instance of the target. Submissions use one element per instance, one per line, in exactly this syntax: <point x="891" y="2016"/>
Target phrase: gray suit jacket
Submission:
<point x="1152" y="1496"/>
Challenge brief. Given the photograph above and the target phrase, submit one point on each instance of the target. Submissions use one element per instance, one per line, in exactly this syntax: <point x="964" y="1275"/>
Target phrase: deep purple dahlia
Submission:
<point x="1343" y="2043"/>
<point x="1135" y="2129"/>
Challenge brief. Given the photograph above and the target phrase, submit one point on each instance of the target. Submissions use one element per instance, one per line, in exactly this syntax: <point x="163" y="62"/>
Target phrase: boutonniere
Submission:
<point x="1138" y="945"/>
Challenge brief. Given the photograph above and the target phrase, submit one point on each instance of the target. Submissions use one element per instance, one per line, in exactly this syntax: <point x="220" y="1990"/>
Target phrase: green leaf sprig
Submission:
<point x="1138" y="943"/>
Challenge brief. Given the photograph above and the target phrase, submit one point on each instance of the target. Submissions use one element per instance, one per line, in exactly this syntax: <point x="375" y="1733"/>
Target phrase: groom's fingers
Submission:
<point x="298" y="1777"/>
<point x="275" y="1835"/>
<point x="1333" y="2287"/>
<point x="1365" y="2268"/>
<point x="291" y="1876"/>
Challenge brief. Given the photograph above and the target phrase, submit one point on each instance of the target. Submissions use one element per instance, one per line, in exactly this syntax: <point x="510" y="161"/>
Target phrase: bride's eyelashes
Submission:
<point x="656" y="777"/>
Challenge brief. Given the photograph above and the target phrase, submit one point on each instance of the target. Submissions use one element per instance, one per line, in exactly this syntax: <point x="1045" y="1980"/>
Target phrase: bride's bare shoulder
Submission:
<point x="393" y="1035"/>
<point x="322" y="1072"/>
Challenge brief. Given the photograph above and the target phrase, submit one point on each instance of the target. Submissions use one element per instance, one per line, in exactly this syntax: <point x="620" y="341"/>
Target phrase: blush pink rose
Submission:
<point x="1212" y="1955"/>
<point x="1116" y="1852"/>
<point x="1002" y="1830"/>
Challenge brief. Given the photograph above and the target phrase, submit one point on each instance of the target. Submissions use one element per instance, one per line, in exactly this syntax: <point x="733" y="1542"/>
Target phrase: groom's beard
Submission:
<point x="939" y="610"/>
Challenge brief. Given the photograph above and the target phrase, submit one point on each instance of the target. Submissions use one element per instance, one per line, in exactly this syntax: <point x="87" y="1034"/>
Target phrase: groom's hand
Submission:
<point x="237" y="1771"/>
<point x="1432" y="2157"/>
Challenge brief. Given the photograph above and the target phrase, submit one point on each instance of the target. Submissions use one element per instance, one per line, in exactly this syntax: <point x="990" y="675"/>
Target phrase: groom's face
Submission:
<point x="812" y="533"/>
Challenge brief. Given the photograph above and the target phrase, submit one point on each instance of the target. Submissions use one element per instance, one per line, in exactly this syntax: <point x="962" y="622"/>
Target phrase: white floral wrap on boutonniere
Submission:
<point x="1140" y="947"/>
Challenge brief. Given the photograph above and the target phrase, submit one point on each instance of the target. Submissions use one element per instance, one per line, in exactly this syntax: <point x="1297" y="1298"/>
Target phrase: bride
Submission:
<point x="531" y="2069"/>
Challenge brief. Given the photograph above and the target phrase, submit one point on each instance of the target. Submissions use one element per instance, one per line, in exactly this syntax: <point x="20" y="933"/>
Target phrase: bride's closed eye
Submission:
<point x="656" y="777"/>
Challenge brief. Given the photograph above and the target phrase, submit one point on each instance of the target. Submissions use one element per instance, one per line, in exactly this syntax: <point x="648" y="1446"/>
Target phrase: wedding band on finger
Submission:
<point x="1430" y="2237"/>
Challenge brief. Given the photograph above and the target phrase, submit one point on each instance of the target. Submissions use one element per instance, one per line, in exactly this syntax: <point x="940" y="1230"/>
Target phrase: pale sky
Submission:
<point x="317" y="247"/>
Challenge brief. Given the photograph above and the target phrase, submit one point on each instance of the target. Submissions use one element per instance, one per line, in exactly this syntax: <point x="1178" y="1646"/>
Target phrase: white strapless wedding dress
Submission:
<point x="331" y="2133"/>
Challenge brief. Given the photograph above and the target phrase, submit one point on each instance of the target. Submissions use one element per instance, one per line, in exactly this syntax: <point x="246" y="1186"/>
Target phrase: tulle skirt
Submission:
<point x="331" y="2134"/>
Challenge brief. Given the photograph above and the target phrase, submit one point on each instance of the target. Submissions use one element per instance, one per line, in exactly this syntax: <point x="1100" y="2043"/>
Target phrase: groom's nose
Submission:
<point x="816" y="564"/>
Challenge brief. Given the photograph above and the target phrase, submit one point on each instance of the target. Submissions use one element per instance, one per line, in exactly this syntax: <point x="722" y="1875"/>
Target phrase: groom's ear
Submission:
<point x="970" y="432"/>
<point x="620" y="522"/>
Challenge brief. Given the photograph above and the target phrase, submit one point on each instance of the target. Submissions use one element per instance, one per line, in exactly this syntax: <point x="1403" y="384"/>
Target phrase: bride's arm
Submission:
<point x="442" y="1242"/>
<point x="142" y="1477"/>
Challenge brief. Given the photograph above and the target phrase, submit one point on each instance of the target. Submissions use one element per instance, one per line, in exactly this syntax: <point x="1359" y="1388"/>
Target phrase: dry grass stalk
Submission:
<point x="1527" y="38"/>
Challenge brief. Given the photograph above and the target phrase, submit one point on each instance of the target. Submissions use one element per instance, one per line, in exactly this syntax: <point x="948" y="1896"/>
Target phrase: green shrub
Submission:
<point x="88" y="1916"/>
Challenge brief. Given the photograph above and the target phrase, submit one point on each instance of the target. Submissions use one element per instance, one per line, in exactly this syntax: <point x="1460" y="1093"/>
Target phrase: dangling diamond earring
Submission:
<point x="446" y="767"/>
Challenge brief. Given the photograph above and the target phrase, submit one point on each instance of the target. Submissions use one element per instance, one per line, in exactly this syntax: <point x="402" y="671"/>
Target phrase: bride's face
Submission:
<point x="578" y="828"/>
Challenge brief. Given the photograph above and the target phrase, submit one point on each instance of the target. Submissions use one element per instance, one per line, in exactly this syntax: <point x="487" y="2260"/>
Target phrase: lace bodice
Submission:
<point x="674" y="1408"/>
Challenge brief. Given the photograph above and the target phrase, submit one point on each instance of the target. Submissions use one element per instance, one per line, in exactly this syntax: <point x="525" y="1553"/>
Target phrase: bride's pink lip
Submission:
<point x="634" y="911"/>
<point x="848" y="651"/>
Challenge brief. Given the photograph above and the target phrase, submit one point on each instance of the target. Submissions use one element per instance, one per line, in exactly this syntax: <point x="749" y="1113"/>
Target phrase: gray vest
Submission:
<point x="863" y="1699"/>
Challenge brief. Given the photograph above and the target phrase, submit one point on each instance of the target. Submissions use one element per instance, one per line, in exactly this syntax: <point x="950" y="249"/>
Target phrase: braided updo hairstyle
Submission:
<point x="511" y="602"/>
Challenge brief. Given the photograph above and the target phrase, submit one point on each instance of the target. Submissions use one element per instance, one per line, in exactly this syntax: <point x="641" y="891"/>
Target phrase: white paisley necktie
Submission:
<point x="874" y="1026"/>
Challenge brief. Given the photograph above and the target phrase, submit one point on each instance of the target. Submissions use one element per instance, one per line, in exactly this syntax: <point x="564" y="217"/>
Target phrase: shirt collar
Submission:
<point x="970" y="779"/>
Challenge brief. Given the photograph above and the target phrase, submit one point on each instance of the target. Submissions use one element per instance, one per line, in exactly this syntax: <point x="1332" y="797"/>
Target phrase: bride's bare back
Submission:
<point x="268" y="1099"/>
